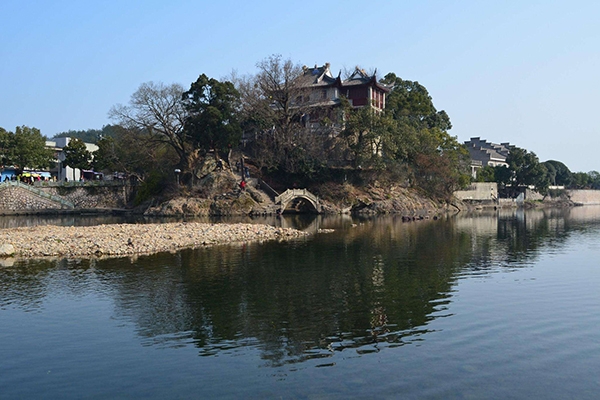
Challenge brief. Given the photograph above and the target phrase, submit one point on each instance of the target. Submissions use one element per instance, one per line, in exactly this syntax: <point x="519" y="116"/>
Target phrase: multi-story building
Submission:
<point x="61" y="171"/>
<point x="320" y="94"/>
<point x="484" y="153"/>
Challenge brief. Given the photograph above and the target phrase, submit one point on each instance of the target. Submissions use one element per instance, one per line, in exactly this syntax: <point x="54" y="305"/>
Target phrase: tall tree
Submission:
<point x="280" y="88"/>
<point x="558" y="173"/>
<point x="526" y="170"/>
<point x="369" y="135"/>
<point x="411" y="103"/>
<point x="29" y="149"/>
<point x="105" y="158"/>
<point x="213" y="106"/>
<point x="156" y="112"/>
<point x="273" y="107"/>
<point x="5" y="146"/>
<point x="76" y="155"/>
<point x="439" y="163"/>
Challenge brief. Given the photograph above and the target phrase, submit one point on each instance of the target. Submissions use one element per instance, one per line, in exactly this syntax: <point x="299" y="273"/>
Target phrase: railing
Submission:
<point x="267" y="189"/>
<point x="82" y="183"/>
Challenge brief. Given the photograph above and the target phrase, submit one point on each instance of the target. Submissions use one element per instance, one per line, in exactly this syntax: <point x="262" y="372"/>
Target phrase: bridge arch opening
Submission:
<point x="298" y="201"/>
<point x="299" y="205"/>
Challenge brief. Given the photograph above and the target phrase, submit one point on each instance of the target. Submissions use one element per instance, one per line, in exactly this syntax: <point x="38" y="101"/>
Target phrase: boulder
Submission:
<point x="6" y="250"/>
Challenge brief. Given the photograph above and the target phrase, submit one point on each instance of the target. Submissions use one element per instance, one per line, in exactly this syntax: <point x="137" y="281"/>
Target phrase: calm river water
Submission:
<point x="499" y="306"/>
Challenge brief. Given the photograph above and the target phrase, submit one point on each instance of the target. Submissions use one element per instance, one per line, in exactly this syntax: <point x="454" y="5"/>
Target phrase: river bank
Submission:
<point x="129" y="239"/>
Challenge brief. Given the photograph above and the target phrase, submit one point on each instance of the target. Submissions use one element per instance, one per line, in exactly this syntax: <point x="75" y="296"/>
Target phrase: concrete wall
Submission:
<point x="585" y="197"/>
<point x="479" y="191"/>
<point x="482" y="192"/>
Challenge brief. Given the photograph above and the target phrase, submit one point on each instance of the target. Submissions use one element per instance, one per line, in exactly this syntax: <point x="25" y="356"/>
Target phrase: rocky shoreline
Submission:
<point x="116" y="240"/>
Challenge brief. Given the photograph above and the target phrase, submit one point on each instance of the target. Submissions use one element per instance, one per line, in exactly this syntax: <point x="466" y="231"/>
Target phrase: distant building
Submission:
<point x="484" y="153"/>
<point x="61" y="171"/>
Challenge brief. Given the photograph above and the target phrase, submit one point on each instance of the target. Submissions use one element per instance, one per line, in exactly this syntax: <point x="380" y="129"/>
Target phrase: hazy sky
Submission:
<point x="524" y="72"/>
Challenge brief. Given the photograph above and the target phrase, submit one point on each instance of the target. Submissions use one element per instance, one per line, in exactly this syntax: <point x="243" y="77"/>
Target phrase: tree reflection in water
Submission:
<point x="373" y="283"/>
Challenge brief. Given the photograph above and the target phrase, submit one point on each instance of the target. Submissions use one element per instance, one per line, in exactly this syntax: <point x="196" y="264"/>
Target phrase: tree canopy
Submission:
<point x="157" y="115"/>
<point x="558" y="173"/>
<point x="525" y="170"/>
<point x="212" y="122"/>
<point x="76" y="155"/>
<point x="439" y="163"/>
<point x="25" y="148"/>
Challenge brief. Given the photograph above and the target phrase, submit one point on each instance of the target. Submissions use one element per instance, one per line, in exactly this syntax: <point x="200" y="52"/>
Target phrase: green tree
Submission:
<point x="212" y="123"/>
<point x="88" y="136"/>
<point x="5" y="146"/>
<point x="28" y="149"/>
<point x="503" y="175"/>
<point x="439" y="163"/>
<point x="558" y="173"/>
<point x="411" y="103"/>
<point x="76" y="155"/>
<point x="594" y="179"/>
<point x="581" y="180"/>
<point x="125" y="151"/>
<point x="105" y="158"/>
<point x="486" y="174"/>
<point x="526" y="170"/>
<point x="369" y="135"/>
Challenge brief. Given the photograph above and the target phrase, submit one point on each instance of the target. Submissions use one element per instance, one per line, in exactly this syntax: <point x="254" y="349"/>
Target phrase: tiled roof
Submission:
<point x="493" y="151"/>
<point x="317" y="76"/>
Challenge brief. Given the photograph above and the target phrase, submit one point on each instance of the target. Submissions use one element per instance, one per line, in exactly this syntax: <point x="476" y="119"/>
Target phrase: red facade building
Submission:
<point x="322" y="94"/>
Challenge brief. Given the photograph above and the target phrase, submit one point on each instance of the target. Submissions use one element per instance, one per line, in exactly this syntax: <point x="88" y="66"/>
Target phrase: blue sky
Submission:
<point x="525" y="72"/>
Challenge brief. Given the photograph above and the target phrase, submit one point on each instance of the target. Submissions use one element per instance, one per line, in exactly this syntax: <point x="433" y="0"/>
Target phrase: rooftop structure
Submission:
<point x="322" y="92"/>
<point x="484" y="153"/>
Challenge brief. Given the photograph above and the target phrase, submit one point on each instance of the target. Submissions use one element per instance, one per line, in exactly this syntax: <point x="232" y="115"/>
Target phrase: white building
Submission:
<point x="62" y="171"/>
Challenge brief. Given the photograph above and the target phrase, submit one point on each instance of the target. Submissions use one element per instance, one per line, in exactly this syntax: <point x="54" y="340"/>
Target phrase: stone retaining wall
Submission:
<point x="19" y="199"/>
<point x="92" y="196"/>
<point x="14" y="198"/>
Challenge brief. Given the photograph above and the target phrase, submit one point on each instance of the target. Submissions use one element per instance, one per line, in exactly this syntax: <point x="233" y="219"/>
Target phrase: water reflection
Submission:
<point x="374" y="283"/>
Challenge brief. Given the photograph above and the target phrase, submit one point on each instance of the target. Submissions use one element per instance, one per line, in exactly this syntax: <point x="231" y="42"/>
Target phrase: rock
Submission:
<point x="128" y="239"/>
<point x="7" y="250"/>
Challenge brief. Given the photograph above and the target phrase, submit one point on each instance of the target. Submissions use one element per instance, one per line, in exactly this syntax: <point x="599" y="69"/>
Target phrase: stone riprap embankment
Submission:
<point x="130" y="239"/>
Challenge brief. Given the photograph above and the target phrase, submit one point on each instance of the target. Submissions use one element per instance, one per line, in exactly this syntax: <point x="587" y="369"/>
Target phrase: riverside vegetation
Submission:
<point x="401" y="160"/>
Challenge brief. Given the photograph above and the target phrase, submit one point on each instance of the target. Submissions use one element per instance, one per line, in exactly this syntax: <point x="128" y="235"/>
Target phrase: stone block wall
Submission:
<point x="86" y="197"/>
<point x="20" y="199"/>
<point x="14" y="198"/>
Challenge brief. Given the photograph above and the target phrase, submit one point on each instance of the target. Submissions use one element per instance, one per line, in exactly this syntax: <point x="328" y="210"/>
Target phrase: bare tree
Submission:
<point x="157" y="112"/>
<point x="281" y="87"/>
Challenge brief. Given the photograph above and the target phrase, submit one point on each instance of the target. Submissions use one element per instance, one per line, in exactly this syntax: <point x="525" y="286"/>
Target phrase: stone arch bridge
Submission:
<point x="298" y="200"/>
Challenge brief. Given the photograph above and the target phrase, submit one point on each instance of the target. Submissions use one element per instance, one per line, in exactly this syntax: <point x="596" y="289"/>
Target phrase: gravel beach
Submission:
<point x="129" y="239"/>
